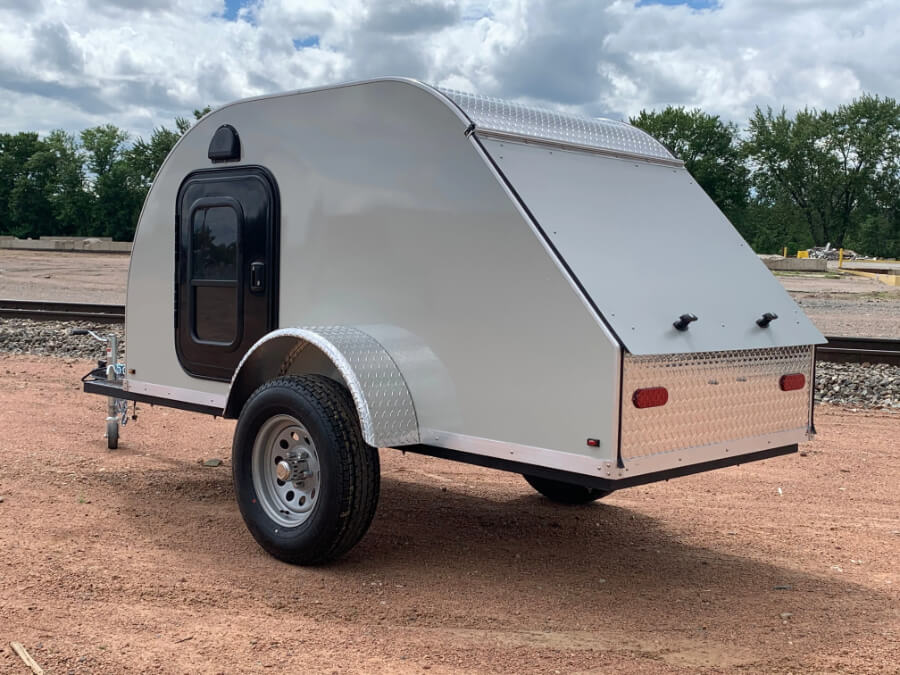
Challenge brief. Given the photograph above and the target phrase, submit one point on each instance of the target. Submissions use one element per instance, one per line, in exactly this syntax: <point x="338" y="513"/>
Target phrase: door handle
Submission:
<point x="258" y="276"/>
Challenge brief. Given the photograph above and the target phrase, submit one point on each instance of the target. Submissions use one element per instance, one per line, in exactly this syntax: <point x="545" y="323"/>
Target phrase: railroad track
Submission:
<point x="838" y="349"/>
<point x="860" y="350"/>
<point x="62" y="311"/>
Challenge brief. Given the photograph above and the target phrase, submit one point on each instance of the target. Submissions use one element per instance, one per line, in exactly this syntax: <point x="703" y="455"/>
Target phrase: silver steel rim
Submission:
<point x="286" y="473"/>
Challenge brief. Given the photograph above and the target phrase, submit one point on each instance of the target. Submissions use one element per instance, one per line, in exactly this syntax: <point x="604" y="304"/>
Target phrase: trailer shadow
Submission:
<point x="607" y="567"/>
<point x="610" y="564"/>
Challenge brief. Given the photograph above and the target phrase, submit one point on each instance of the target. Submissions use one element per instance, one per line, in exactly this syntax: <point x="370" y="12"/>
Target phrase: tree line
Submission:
<point x="800" y="180"/>
<point x="90" y="185"/>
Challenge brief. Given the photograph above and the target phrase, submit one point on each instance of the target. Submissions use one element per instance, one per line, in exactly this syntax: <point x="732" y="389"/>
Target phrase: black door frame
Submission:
<point x="272" y="258"/>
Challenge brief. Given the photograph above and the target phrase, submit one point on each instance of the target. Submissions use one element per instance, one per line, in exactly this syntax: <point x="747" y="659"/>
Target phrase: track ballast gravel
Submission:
<point x="51" y="338"/>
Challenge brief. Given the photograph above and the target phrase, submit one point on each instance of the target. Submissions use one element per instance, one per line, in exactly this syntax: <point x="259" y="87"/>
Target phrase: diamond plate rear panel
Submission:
<point x="495" y="114"/>
<point x="714" y="397"/>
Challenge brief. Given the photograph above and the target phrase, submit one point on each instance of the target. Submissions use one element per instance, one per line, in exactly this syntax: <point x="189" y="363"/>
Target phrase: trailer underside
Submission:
<point x="115" y="389"/>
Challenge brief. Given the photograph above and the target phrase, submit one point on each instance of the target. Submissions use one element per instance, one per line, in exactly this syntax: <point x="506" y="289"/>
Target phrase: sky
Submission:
<point x="73" y="64"/>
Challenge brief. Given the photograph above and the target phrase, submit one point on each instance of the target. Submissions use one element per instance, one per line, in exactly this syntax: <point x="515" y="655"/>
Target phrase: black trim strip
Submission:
<point x="812" y="392"/>
<point x="109" y="389"/>
<point x="232" y="172"/>
<point x="592" y="481"/>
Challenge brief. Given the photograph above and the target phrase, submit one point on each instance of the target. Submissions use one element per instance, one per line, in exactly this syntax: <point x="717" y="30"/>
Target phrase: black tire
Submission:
<point x="564" y="493"/>
<point x="349" y="472"/>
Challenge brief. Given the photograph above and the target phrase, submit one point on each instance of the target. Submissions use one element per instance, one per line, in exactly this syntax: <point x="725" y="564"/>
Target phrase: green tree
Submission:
<point x="118" y="194"/>
<point x="146" y="157"/>
<point x="832" y="169"/>
<point x="92" y="186"/>
<point x="15" y="151"/>
<point x="104" y="146"/>
<point x="710" y="150"/>
<point x="70" y="201"/>
<point x="48" y="196"/>
<point x="30" y="208"/>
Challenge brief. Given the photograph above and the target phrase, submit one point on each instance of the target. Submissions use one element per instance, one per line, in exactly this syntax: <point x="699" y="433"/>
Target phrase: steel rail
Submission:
<point x="838" y="350"/>
<point x="62" y="311"/>
<point x="860" y="350"/>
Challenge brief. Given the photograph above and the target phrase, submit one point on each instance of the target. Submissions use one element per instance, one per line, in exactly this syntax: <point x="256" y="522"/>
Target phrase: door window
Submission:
<point x="215" y="233"/>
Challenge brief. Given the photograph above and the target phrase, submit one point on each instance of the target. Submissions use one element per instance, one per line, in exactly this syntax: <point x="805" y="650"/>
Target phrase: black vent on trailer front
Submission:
<point x="225" y="145"/>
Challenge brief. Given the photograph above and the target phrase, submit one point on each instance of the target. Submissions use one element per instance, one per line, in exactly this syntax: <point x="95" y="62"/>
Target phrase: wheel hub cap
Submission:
<point x="286" y="476"/>
<point x="283" y="470"/>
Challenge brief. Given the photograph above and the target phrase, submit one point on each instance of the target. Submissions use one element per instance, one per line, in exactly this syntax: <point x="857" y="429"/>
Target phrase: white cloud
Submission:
<point x="138" y="63"/>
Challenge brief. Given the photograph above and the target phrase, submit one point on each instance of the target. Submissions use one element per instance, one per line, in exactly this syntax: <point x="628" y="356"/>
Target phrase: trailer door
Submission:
<point x="226" y="276"/>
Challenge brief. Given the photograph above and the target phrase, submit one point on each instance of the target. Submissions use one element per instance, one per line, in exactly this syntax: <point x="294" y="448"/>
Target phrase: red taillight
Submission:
<point x="792" y="382"/>
<point x="650" y="397"/>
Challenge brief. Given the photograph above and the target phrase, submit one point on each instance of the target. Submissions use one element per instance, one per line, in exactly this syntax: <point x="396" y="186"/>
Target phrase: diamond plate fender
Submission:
<point x="383" y="402"/>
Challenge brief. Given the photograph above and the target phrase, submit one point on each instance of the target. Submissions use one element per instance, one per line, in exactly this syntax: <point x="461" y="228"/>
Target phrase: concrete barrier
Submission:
<point x="74" y="238"/>
<point x="77" y="244"/>
<point x="884" y="276"/>
<point x="777" y="263"/>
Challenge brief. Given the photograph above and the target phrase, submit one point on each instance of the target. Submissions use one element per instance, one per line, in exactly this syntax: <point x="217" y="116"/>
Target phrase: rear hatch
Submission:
<point x="647" y="245"/>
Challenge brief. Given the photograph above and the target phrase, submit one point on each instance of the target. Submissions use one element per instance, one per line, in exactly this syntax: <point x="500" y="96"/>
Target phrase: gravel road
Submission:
<point x="137" y="560"/>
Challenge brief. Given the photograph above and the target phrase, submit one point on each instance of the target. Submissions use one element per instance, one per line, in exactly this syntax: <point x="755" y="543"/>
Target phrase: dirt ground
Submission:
<point x="63" y="277"/>
<point x="846" y="304"/>
<point x="137" y="560"/>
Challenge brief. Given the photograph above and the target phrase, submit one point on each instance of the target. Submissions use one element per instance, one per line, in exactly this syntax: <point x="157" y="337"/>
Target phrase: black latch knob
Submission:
<point x="766" y="319"/>
<point x="684" y="321"/>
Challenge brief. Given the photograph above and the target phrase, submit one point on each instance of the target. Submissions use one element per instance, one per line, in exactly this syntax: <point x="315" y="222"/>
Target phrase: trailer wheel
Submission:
<point x="305" y="481"/>
<point x="564" y="493"/>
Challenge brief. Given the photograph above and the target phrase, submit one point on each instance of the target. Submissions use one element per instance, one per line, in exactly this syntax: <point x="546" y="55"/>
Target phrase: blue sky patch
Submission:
<point x="308" y="41"/>
<point x="232" y="7"/>
<point x="693" y="4"/>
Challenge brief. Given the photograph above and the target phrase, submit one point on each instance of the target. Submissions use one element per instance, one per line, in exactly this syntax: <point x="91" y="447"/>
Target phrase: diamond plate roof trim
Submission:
<point x="517" y="119"/>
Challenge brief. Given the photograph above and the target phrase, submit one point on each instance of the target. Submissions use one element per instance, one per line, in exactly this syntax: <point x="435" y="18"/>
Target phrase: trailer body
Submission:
<point x="490" y="282"/>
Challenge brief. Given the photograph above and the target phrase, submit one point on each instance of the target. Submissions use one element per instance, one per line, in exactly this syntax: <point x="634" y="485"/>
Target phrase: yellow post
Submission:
<point x="784" y="252"/>
<point x="840" y="258"/>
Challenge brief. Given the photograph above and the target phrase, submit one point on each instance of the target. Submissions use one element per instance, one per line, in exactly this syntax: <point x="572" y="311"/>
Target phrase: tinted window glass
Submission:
<point x="216" y="313"/>
<point x="214" y="232"/>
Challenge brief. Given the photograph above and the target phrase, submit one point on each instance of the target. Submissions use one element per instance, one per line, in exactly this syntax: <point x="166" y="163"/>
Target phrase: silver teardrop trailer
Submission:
<point x="387" y="264"/>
